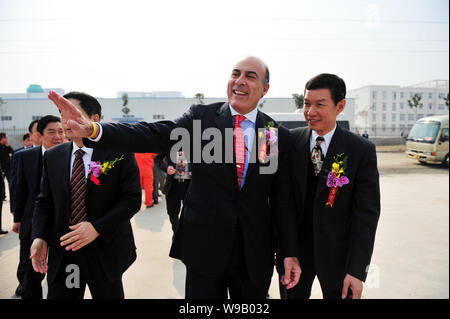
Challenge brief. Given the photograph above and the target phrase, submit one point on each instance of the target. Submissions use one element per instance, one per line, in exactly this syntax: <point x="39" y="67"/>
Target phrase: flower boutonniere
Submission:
<point x="269" y="138"/>
<point x="336" y="177"/>
<point x="96" y="169"/>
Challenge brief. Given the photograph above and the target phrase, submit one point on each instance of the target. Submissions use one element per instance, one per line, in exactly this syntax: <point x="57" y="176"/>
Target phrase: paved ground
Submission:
<point x="410" y="260"/>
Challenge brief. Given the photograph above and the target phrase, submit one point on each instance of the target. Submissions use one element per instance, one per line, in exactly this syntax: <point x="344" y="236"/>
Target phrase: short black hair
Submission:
<point x="30" y="127"/>
<point x="2" y="135"/>
<point x="44" y="121"/>
<point x="335" y="84"/>
<point x="25" y="136"/>
<point x="87" y="102"/>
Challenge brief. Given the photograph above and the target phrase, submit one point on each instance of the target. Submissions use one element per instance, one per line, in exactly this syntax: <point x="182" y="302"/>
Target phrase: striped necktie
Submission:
<point x="78" y="190"/>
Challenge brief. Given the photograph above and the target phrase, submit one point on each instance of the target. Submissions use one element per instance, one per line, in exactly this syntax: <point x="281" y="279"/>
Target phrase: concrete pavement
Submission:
<point x="410" y="259"/>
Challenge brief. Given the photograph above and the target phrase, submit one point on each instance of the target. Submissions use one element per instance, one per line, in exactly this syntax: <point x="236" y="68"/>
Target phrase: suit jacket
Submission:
<point x="110" y="207"/>
<point x="344" y="234"/>
<point x="27" y="183"/>
<point x="13" y="176"/>
<point x="214" y="204"/>
<point x="163" y="162"/>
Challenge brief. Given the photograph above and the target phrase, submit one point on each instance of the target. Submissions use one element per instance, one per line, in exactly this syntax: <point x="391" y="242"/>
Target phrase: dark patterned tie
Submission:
<point x="239" y="147"/>
<point x="78" y="190"/>
<point x="317" y="155"/>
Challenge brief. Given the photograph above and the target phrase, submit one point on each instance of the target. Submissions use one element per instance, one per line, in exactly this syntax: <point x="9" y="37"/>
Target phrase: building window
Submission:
<point x="394" y="95"/>
<point x="6" y="118"/>
<point x="430" y="114"/>
<point x="384" y="106"/>
<point x="441" y="107"/>
<point x="411" y="94"/>
<point x="410" y="117"/>
<point x="384" y="95"/>
<point x="394" y="107"/>
<point x="419" y="116"/>
<point x="383" y="127"/>
<point x="430" y="95"/>
<point x="430" y="106"/>
<point x="441" y="95"/>
<point x="402" y="117"/>
<point x="383" y="117"/>
<point x="393" y="127"/>
<point x="374" y="95"/>
<point x="394" y="117"/>
<point x="374" y="107"/>
<point x="402" y="105"/>
<point x="374" y="117"/>
<point x="402" y="95"/>
<point x="158" y="116"/>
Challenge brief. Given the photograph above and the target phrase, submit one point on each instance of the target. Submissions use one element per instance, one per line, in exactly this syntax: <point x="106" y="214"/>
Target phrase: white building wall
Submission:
<point x="384" y="110"/>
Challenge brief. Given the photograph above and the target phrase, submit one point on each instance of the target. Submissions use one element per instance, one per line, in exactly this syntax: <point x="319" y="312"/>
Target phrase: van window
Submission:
<point x="424" y="132"/>
<point x="444" y="134"/>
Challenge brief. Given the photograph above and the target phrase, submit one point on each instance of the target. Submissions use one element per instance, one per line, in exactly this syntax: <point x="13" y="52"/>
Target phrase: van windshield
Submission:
<point x="425" y="132"/>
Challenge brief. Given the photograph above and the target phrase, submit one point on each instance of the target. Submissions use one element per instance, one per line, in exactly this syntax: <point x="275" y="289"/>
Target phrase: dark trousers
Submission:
<point x="174" y="199"/>
<point x="235" y="281"/>
<point x="303" y="289"/>
<point x="2" y="198"/>
<point x="81" y="268"/>
<point x="31" y="280"/>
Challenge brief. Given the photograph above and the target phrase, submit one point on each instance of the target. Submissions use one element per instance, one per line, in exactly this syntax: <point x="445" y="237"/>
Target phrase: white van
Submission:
<point x="428" y="140"/>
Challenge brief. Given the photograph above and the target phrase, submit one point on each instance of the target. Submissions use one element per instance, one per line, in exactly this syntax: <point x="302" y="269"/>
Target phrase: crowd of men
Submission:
<point x="314" y="215"/>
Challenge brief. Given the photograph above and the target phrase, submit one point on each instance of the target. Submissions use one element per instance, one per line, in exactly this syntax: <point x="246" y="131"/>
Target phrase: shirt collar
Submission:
<point x="43" y="149"/>
<point x="327" y="136"/>
<point x="251" y="116"/>
<point x="87" y="150"/>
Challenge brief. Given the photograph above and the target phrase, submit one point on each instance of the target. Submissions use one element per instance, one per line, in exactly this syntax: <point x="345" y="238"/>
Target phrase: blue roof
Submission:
<point x="35" y="88"/>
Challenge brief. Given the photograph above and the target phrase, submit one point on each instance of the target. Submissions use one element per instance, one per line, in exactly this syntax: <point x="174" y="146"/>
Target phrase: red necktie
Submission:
<point x="239" y="147"/>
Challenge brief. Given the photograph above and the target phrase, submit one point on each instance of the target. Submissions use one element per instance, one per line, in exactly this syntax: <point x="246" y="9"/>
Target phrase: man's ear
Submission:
<point x="265" y="89"/>
<point x="340" y="106"/>
<point x="95" y="118"/>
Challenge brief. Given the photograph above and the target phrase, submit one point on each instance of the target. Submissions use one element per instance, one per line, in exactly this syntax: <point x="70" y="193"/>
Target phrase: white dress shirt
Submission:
<point x="86" y="158"/>
<point x="324" y="145"/>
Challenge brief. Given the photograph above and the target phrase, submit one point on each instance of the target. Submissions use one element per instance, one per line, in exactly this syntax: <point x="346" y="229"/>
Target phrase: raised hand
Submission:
<point x="77" y="121"/>
<point x="38" y="255"/>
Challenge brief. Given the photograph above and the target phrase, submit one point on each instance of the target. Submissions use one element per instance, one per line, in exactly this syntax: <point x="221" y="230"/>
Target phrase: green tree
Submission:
<point x="125" y="109"/>
<point x="200" y="97"/>
<point x="299" y="99"/>
<point x="415" y="103"/>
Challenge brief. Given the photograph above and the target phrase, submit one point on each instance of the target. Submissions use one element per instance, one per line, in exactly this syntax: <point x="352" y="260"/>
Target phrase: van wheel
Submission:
<point x="445" y="162"/>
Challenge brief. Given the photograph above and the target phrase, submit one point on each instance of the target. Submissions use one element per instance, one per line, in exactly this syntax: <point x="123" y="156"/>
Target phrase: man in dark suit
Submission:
<point x="35" y="139"/>
<point x="83" y="215"/>
<point x="233" y="210"/>
<point x="337" y="229"/>
<point x="29" y="173"/>
<point x="175" y="186"/>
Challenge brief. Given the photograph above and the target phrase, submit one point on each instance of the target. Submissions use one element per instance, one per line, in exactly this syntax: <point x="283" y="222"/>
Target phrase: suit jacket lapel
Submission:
<point x="224" y="121"/>
<point x="63" y="166"/>
<point x="300" y="160"/>
<point x="97" y="155"/>
<point x="336" y="147"/>
<point x="253" y="158"/>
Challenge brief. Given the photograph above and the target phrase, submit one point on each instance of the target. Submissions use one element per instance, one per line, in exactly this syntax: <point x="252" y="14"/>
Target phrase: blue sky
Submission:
<point x="102" y="47"/>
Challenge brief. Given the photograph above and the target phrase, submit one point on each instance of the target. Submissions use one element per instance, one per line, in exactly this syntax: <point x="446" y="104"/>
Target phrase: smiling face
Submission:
<point x="320" y="111"/>
<point x="246" y="85"/>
